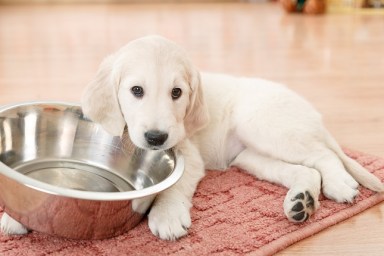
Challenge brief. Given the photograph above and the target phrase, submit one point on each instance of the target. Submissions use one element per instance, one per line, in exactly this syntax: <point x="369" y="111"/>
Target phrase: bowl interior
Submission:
<point x="56" y="144"/>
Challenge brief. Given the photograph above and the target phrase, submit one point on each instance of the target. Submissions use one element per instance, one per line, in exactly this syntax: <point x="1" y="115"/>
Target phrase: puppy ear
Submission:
<point x="197" y="112"/>
<point x="99" y="101"/>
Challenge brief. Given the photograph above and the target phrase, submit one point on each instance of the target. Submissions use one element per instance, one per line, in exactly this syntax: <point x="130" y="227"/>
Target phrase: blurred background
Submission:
<point x="331" y="52"/>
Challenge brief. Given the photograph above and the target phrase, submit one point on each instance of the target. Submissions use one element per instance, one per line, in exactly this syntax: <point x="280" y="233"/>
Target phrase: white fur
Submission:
<point x="220" y="121"/>
<point x="10" y="226"/>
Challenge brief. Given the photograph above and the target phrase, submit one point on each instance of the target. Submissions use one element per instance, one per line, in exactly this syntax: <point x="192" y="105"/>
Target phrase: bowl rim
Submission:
<point x="89" y="195"/>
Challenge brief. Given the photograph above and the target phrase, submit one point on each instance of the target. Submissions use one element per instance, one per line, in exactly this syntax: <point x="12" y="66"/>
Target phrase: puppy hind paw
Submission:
<point x="340" y="192"/>
<point x="300" y="206"/>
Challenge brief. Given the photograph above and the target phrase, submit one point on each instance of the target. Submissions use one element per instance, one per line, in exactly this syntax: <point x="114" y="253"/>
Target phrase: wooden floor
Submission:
<point x="335" y="61"/>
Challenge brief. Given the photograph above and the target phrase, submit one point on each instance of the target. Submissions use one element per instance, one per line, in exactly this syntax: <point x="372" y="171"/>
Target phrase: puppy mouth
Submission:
<point x="147" y="146"/>
<point x="154" y="148"/>
<point x="162" y="147"/>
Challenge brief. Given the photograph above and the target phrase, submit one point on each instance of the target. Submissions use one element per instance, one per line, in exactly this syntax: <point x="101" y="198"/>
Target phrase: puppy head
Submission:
<point x="151" y="86"/>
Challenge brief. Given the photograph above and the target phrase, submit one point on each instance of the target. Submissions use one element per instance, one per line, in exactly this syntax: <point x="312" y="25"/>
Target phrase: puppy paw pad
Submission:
<point x="300" y="207"/>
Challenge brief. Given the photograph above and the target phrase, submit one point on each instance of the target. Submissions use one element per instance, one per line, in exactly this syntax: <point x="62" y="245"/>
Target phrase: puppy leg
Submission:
<point x="169" y="217"/>
<point x="337" y="183"/>
<point x="304" y="183"/>
<point x="311" y="151"/>
<point x="9" y="226"/>
<point x="306" y="146"/>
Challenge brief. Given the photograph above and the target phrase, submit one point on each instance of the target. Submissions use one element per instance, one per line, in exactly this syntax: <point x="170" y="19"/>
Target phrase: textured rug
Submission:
<point x="233" y="213"/>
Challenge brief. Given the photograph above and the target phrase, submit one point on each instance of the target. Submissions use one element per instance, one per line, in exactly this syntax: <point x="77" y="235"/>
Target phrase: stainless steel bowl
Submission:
<point x="64" y="175"/>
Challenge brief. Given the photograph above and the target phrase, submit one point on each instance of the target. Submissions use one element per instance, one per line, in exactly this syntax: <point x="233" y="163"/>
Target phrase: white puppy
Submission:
<point x="217" y="121"/>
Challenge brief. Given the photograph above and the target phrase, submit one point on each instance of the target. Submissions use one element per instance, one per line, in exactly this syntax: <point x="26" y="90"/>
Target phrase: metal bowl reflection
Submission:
<point x="64" y="175"/>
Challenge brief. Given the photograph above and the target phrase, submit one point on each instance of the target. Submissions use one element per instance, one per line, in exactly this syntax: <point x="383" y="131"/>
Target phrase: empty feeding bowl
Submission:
<point x="62" y="174"/>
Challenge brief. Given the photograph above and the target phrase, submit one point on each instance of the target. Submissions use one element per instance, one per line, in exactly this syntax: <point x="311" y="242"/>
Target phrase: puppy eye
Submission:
<point x="137" y="91"/>
<point x="176" y="93"/>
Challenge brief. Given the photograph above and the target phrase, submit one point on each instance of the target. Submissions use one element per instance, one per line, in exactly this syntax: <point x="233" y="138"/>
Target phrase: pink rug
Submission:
<point x="233" y="214"/>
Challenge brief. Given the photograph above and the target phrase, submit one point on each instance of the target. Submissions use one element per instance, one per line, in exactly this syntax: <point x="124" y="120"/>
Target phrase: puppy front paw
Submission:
<point x="9" y="226"/>
<point x="169" y="220"/>
<point x="299" y="205"/>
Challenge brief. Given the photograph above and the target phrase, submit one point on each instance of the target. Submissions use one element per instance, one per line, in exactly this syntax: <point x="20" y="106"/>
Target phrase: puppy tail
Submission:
<point x="361" y="175"/>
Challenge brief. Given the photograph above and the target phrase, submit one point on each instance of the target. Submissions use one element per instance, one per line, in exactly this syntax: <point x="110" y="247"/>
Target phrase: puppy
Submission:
<point x="217" y="121"/>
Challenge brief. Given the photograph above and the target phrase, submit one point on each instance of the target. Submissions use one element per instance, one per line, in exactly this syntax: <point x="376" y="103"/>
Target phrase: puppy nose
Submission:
<point x="155" y="138"/>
